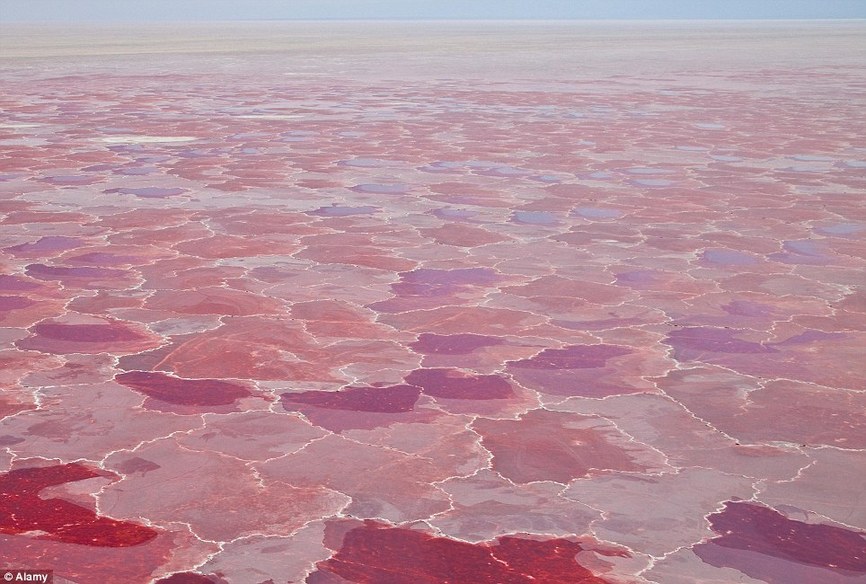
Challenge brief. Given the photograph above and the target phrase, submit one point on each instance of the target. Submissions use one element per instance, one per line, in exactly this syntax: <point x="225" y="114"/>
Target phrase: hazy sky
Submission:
<point x="133" y="10"/>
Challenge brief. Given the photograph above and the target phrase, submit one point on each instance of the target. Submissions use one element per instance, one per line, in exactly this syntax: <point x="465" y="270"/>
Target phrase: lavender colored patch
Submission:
<point x="504" y="171"/>
<point x="149" y="192"/>
<point x="841" y="229"/>
<point x="382" y="189"/>
<point x="804" y="247"/>
<point x="652" y="182"/>
<point x="811" y="158"/>
<point x="48" y="243"/>
<point x="546" y="178"/>
<point x="645" y="170"/>
<point x="136" y="171"/>
<point x="342" y="211"/>
<point x="534" y="218"/>
<point x="68" y="179"/>
<point x="728" y="257"/>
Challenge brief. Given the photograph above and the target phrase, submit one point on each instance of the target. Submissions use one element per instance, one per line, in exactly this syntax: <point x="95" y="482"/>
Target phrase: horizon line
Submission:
<point x="422" y="19"/>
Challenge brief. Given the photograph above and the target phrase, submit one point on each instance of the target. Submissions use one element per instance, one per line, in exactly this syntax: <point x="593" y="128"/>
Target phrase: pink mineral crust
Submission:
<point x="560" y="447"/>
<point x="360" y="303"/>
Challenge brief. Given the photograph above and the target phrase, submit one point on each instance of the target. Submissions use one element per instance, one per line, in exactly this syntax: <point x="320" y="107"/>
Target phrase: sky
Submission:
<point x="209" y="10"/>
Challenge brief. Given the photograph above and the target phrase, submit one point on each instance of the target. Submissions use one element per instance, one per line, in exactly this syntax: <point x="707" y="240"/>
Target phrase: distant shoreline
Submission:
<point x="748" y="44"/>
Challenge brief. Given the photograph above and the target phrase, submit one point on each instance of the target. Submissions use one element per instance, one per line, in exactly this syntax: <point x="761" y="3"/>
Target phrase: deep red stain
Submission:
<point x="460" y="344"/>
<point x="573" y="357"/>
<point x="450" y="383"/>
<point x="745" y="526"/>
<point x="86" y="333"/>
<point x="188" y="392"/>
<point x="377" y="554"/>
<point x="22" y="510"/>
<point x="392" y="399"/>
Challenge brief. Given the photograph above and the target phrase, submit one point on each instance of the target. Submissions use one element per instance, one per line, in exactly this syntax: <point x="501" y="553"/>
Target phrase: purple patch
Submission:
<point x="14" y="303"/>
<point x="728" y="257"/>
<point x="16" y="283"/>
<point x="572" y="357"/>
<point x="43" y="272"/>
<point x="342" y="211"/>
<point x="450" y="384"/>
<point x="381" y="189"/>
<point x="393" y="399"/>
<point x="841" y="229"/>
<point x="534" y="218"/>
<point x="713" y="340"/>
<point x="48" y="243"/>
<point x="149" y="192"/>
